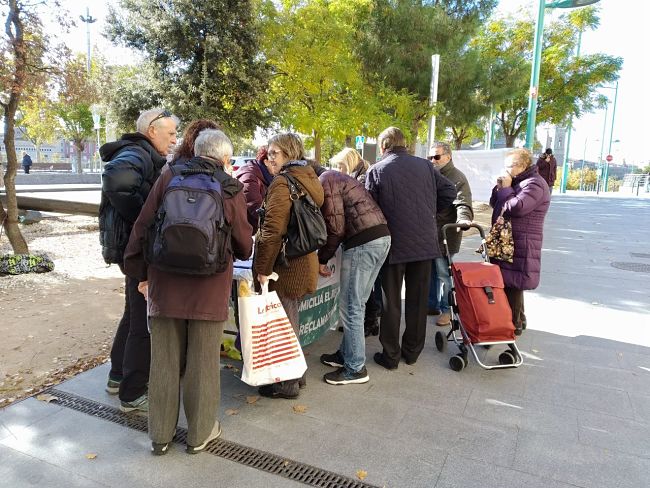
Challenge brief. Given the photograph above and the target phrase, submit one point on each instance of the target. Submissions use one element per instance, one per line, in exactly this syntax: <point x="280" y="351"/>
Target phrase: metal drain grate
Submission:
<point x="248" y="456"/>
<point x="637" y="267"/>
<point x="640" y="255"/>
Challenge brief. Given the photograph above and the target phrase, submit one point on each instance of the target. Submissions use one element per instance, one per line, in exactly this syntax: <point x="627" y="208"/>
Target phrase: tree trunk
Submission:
<point x="38" y="153"/>
<point x="79" y="149"/>
<point x="510" y="140"/>
<point x="9" y="218"/>
<point x="317" y="148"/>
<point x="348" y="141"/>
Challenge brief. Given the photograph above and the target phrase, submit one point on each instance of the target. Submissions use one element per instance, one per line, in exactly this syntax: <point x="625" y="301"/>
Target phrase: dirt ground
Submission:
<point x="58" y="324"/>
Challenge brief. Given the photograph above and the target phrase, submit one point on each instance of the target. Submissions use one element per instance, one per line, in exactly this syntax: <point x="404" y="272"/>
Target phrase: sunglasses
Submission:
<point x="161" y="115"/>
<point x="435" y="156"/>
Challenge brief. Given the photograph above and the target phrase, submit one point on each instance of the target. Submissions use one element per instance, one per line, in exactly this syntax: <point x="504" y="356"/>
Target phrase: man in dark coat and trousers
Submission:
<point x="133" y="165"/>
<point x="409" y="191"/>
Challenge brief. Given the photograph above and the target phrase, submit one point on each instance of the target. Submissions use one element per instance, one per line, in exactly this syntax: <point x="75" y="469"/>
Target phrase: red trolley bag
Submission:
<point x="482" y="303"/>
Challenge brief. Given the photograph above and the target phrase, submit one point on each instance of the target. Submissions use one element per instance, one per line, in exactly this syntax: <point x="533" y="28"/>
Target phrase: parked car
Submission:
<point x="239" y="161"/>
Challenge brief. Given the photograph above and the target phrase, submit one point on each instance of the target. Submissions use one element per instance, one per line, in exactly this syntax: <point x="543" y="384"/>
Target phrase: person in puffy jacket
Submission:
<point x="409" y="191"/>
<point x="355" y="222"/>
<point x="188" y="312"/>
<point x="523" y="197"/>
<point x="133" y="164"/>
<point x="300" y="275"/>
<point x="256" y="178"/>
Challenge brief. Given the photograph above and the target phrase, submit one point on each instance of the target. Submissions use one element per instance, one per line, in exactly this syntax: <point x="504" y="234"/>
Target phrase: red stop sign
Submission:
<point x="609" y="158"/>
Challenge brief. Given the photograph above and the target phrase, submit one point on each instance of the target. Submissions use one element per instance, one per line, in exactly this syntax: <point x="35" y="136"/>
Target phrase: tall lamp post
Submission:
<point x="533" y="92"/>
<point x="97" y="118"/>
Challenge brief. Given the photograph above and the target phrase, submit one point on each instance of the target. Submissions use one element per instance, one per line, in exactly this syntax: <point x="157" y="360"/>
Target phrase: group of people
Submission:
<point x="386" y="217"/>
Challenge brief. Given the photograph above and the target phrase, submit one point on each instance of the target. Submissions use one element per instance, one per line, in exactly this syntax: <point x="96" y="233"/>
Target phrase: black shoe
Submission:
<point x="302" y="381"/>
<point x="343" y="377"/>
<point x="334" y="360"/>
<point x="433" y="311"/>
<point x="159" y="449"/>
<point x="381" y="361"/>
<point x="284" y="389"/>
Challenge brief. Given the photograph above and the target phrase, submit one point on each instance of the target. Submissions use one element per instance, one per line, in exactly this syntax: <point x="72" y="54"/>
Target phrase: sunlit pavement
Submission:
<point x="576" y="414"/>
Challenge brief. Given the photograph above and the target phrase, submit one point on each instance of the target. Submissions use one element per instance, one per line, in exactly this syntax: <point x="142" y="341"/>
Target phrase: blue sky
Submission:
<point x="623" y="31"/>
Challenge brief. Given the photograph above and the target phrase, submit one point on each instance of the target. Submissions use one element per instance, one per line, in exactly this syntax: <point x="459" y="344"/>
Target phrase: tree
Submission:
<point x="316" y="83"/>
<point x="205" y="55"/>
<point x="397" y="40"/>
<point x="38" y="121"/>
<point x="462" y="105"/>
<point x="78" y="90"/>
<point x="23" y="54"/>
<point x="568" y="86"/>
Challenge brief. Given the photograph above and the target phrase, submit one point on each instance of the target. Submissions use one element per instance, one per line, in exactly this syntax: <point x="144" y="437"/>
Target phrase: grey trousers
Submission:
<point x="192" y="346"/>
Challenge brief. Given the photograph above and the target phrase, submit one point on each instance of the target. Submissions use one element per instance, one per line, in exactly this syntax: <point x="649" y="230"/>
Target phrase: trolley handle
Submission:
<point x="446" y="227"/>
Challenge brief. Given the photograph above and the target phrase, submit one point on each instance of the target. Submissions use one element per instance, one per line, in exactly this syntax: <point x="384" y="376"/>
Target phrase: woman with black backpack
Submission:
<point x="298" y="276"/>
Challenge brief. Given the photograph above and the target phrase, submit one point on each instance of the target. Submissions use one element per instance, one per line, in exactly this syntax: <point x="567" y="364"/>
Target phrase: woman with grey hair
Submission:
<point x="297" y="276"/>
<point x="187" y="312"/>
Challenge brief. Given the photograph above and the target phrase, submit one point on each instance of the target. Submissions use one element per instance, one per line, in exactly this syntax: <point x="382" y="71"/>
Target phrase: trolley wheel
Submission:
<point x="441" y="341"/>
<point x="457" y="362"/>
<point x="506" y="357"/>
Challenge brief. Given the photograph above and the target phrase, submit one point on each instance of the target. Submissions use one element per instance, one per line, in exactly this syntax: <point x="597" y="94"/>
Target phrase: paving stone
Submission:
<point x="19" y="470"/>
<point x="460" y="471"/>
<point x="523" y="414"/>
<point x="578" y="464"/>
<point x="627" y="436"/>
<point x="581" y="397"/>
<point x="23" y="414"/>
<point x="615" y="378"/>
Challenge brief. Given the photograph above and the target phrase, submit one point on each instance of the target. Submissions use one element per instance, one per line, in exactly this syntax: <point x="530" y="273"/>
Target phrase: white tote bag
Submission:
<point x="270" y="349"/>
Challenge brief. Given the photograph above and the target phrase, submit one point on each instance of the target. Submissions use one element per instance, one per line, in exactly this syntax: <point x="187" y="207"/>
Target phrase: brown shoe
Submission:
<point x="444" y="320"/>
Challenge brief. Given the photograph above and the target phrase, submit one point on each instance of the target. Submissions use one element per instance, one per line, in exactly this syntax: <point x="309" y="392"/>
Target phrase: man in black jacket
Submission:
<point x="409" y="191"/>
<point x="133" y="163"/>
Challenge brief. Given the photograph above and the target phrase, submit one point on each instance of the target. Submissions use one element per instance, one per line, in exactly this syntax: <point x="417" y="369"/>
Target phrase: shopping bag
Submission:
<point x="500" y="244"/>
<point x="270" y="349"/>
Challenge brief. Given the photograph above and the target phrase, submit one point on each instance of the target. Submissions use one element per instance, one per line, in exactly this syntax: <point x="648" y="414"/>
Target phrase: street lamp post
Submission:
<point x="97" y="118"/>
<point x="537" y="56"/>
<point x="611" y="135"/>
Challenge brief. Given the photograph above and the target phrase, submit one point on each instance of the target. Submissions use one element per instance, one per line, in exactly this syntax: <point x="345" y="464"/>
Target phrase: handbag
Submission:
<point x="306" y="231"/>
<point x="499" y="243"/>
<point x="270" y="348"/>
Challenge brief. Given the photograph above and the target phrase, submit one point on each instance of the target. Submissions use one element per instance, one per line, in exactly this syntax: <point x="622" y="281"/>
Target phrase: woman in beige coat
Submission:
<point x="300" y="275"/>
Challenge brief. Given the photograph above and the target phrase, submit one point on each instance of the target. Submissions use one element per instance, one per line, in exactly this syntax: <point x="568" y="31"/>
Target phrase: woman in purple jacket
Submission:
<point x="256" y="178"/>
<point x="523" y="197"/>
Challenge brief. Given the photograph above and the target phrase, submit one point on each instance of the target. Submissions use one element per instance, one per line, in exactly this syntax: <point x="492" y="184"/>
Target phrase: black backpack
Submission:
<point x="306" y="231"/>
<point x="190" y="234"/>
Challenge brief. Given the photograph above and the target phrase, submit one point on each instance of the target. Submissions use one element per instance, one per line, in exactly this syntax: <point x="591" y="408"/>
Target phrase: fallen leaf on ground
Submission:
<point x="299" y="409"/>
<point x="232" y="411"/>
<point x="91" y="456"/>
<point x="252" y="399"/>
<point x="361" y="474"/>
<point x="46" y="397"/>
<point x="228" y="366"/>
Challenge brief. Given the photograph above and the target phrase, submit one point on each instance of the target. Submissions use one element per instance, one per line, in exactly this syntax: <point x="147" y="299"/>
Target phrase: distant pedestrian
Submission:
<point x="459" y="213"/>
<point x="523" y="197"/>
<point x="547" y="167"/>
<point x="133" y="164"/>
<point x="355" y="222"/>
<point x="27" y="162"/>
<point x="409" y="191"/>
<point x="188" y="311"/>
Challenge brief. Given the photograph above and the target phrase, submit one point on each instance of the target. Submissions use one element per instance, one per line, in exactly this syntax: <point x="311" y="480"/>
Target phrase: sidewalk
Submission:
<point x="576" y="414"/>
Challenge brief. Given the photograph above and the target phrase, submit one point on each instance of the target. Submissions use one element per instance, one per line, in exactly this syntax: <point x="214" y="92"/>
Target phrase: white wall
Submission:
<point x="481" y="168"/>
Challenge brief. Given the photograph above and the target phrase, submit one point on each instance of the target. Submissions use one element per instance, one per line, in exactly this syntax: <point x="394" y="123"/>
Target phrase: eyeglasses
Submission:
<point x="161" y="115"/>
<point x="272" y="154"/>
<point x="435" y="156"/>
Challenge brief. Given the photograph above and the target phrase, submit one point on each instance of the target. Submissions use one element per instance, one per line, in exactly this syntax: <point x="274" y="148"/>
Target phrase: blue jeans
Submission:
<point x="359" y="269"/>
<point x="444" y="283"/>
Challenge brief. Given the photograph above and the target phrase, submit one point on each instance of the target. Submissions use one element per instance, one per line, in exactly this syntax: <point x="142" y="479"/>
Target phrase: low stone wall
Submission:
<point x="54" y="178"/>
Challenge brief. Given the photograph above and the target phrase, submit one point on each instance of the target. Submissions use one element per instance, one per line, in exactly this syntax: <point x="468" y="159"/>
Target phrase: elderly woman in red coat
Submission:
<point x="524" y="197"/>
